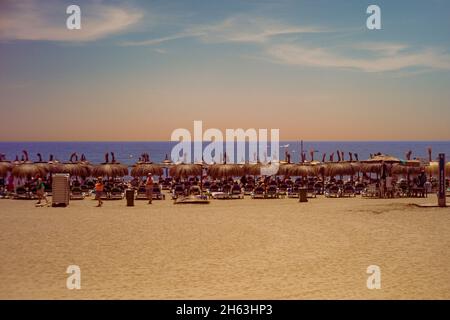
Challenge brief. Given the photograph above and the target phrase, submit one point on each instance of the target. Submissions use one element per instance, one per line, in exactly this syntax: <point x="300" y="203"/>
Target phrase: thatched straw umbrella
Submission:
<point x="343" y="168"/>
<point x="28" y="169"/>
<point x="285" y="169"/>
<point x="110" y="169"/>
<point x="143" y="169"/>
<point x="42" y="163"/>
<point x="379" y="158"/>
<point x="76" y="168"/>
<point x="433" y="168"/>
<point x="303" y="170"/>
<point x="256" y="169"/>
<point x="183" y="170"/>
<point x="5" y="167"/>
<point x="53" y="165"/>
<point x="405" y="169"/>
<point x="225" y="170"/>
<point x="371" y="167"/>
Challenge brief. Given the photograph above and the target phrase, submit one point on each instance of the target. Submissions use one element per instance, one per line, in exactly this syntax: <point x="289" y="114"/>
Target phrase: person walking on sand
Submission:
<point x="149" y="188"/>
<point x="99" y="191"/>
<point x="40" y="191"/>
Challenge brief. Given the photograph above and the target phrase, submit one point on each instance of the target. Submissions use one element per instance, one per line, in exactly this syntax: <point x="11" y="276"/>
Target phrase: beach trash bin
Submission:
<point x="302" y="195"/>
<point x="129" y="195"/>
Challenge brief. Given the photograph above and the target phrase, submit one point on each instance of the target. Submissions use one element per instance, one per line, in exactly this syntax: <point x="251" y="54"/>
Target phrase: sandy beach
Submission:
<point x="231" y="249"/>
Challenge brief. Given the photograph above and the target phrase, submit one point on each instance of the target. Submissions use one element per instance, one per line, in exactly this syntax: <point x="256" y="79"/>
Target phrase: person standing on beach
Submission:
<point x="40" y="191"/>
<point x="149" y="188"/>
<point x="99" y="191"/>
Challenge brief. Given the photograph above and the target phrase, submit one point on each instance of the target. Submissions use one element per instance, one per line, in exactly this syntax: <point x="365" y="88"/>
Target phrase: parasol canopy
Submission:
<point x="379" y="158"/>
<point x="225" y="170"/>
<point x="302" y="170"/>
<point x="143" y="169"/>
<point x="28" y="169"/>
<point x="5" y="167"/>
<point x="343" y="168"/>
<point x="110" y="169"/>
<point x="183" y="170"/>
<point x="433" y="168"/>
<point x="405" y="169"/>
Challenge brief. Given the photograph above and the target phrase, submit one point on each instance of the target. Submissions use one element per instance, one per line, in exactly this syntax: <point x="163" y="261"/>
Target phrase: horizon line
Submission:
<point x="177" y="141"/>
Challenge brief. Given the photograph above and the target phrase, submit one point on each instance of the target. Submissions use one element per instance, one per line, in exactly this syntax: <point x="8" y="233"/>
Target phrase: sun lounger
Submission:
<point x="178" y="190"/>
<point x="191" y="199"/>
<point x="294" y="192"/>
<point x="258" y="193"/>
<point x="214" y="188"/>
<point x="116" y="193"/>
<point x="334" y="191"/>
<point x="157" y="193"/>
<point x="236" y="192"/>
<point x="318" y="188"/>
<point x="272" y="192"/>
<point x="418" y="192"/>
<point x="76" y="194"/>
<point x="283" y="190"/>
<point x="248" y="189"/>
<point x="359" y="187"/>
<point x="348" y="191"/>
<point x="141" y="193"/>
<point x="22" y="193"/>
<point x="371" y="191"/>
<point x="311" y="191"/>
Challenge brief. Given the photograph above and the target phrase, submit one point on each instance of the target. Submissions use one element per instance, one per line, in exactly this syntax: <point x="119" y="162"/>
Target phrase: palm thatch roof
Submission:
<point x="257" y="169"/>
<point x="302" y="170"/>
<point x="343" y="168"/>
<point x="5" y="167"/>
<point x="143" y="169"/>
<point x="405" y="169"/>
<point x="28" y="170"/>
<point x="110" y="170"/>
<point x="285" y="168"/>
<point x="433" y="168"/>
<point x="378" y="158"/>
<point x="225" y="170"/>
<point x="183" y="170"/>
<point x="77" y="169"/>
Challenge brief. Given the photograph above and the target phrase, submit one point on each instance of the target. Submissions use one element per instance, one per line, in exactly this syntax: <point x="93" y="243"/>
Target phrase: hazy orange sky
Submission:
<point x="137" y="71"/>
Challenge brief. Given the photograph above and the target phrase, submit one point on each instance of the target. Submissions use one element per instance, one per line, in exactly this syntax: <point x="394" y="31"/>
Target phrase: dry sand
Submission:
<point x="236" y="249"/>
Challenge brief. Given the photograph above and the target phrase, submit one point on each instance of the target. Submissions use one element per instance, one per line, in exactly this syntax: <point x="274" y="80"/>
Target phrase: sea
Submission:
<point x="130" y="151"/>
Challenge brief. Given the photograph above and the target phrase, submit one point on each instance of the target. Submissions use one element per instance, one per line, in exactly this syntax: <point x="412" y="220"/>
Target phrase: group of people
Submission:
<point x="100" y="188"/>
<point x="388" y="182"/>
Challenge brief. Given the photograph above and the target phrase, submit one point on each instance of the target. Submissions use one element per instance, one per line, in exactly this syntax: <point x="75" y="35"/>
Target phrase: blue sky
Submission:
<point x="291" y="65"/>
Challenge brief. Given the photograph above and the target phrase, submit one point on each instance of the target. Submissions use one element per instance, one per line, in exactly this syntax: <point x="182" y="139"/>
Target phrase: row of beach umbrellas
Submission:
<point x="112" y="168"/>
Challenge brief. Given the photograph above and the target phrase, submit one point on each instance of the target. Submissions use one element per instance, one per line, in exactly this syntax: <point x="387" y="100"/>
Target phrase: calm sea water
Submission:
<point x="128" y="152"/>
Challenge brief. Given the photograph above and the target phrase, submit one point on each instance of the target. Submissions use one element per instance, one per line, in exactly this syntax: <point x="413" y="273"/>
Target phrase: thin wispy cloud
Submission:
<point x="239" y="28"/>
<point x="36" y="20"/>
<point x="281" y="43"/>
<point x="391" y="59"/>
<point x="156" y="41"/>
